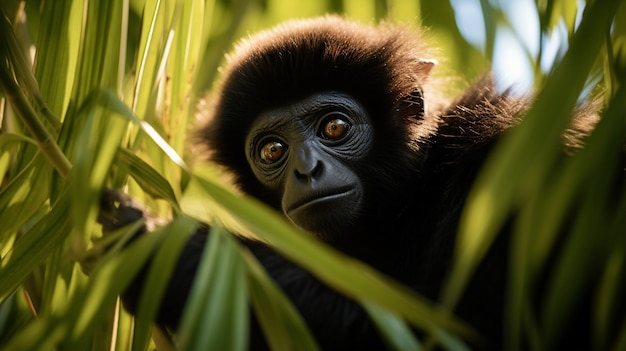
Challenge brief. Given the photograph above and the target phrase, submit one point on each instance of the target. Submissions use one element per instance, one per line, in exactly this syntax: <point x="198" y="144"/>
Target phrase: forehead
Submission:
<point x="297" y="112"/>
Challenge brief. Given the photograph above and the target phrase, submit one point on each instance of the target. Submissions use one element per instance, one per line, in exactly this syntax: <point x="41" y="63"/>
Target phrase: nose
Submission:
<point x="308" y="165"/>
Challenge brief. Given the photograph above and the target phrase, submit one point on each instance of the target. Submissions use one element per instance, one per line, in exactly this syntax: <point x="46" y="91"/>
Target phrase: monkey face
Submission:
<point x="306" y="152"/>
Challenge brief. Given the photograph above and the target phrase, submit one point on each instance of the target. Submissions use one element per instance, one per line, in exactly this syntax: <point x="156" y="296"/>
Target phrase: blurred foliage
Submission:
<point x="103" y="93"/>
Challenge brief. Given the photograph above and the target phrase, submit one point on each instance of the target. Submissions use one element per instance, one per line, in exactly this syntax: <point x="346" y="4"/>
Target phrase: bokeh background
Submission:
<point x="104" y="93"/>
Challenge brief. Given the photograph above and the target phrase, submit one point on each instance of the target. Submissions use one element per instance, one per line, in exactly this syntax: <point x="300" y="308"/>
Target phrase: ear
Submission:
<point x="424" y="66"/>
<point x="413" y="104"/>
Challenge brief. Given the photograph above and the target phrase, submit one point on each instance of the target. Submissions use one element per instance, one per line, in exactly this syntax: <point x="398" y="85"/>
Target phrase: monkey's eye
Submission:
<point x="334" y="128"/>
<point x="272" y="151"/>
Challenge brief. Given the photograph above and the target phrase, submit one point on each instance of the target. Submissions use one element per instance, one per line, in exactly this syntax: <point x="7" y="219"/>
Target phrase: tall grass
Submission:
<point x="103" y="93"/>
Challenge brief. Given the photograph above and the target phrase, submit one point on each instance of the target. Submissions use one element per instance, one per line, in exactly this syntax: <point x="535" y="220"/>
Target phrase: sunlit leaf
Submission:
<point x="521" y="162"/>
<point x="175" y="236"/>
<point x="115" y="88"/>
<point x="348" y="275"/>
<point x="218" y="299"/>
<point x="148" y="178"/>
<point x="283" y="326"/>
<point x="397" y="334"/>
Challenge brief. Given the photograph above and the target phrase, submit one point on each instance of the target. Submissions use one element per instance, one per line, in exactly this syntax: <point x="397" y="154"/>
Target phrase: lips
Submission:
<point x="320" y="197"/>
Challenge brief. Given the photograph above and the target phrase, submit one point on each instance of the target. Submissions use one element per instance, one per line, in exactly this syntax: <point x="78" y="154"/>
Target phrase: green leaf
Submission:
<point x="147" y="177"/>
<point x="520" y="163"/>
<point x="350" y="276"/>
<point x="283" y="326"/>
<point x="34" y="247"/>
<point x="73" y="327"/>
<point x="395" y="332"/>
<point x="216" y="314"/>
<point x="57" y="51"/>
<point x="174" y="235"/>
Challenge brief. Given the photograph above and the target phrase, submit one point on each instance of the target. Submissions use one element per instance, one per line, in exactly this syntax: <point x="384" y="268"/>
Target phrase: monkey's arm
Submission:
<point x="349" y="326"/>
<point x="118" y="210"/>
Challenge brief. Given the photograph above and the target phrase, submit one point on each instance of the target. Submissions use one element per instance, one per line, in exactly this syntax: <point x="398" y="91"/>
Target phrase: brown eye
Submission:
<point x="335" y="128"/>
<point x="272" y="151"/>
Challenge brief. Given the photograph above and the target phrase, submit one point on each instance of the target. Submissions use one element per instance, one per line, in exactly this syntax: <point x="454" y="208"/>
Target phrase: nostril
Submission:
<point x="309" y="174"/>
<point x="300" y="176"/>
<point x="317" y="170"/>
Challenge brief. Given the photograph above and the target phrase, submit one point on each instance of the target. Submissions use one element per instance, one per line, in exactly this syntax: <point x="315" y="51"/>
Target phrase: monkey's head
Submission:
<point x="322" y="119"/>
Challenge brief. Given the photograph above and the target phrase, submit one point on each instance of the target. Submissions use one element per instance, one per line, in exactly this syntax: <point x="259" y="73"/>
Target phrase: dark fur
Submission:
<point x="418" y="174"/>
<point x="299" y="58"/>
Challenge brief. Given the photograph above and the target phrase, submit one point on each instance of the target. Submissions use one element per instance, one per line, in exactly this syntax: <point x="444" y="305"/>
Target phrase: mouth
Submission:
<point x="320" y="197"/>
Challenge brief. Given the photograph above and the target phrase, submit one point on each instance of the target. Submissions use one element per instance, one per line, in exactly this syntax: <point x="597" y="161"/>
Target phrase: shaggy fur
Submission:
<point x="417" y="175"/>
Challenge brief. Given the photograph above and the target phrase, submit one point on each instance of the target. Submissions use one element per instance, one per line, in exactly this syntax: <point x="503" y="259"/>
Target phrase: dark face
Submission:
<point x="306" y="152"/>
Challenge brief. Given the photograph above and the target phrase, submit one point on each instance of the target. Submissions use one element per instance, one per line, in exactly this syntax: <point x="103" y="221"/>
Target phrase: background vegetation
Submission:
<point x="103" y="93"/>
